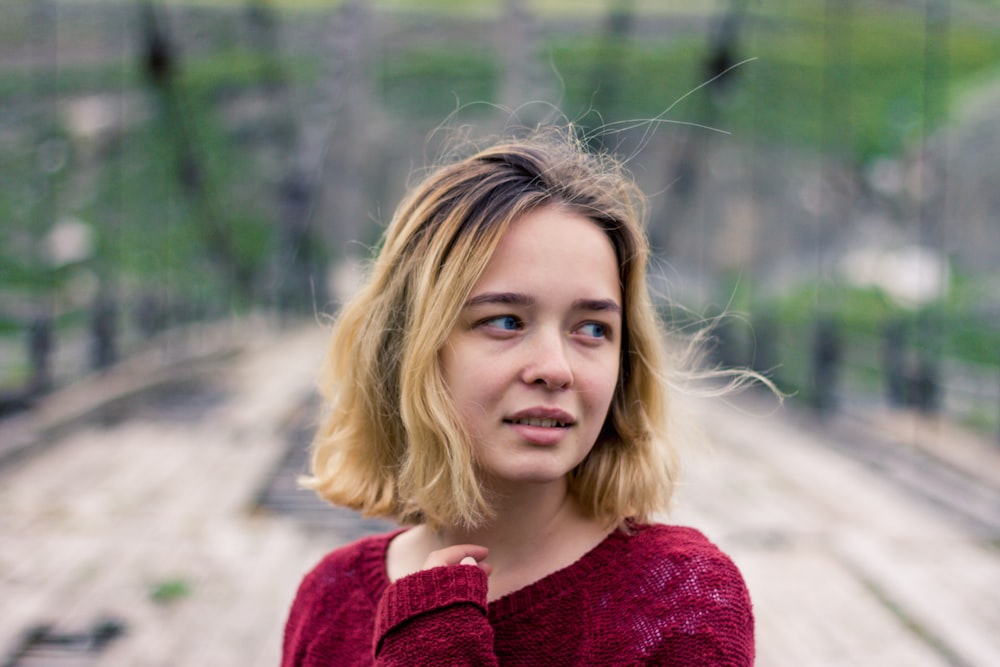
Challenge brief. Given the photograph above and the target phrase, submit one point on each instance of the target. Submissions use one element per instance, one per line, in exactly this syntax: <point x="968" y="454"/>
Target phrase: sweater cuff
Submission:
<point x="426" y="591"/>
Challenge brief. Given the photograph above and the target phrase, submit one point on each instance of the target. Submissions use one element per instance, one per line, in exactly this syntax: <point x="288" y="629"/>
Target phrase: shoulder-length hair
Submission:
<point x="390" y="443"/>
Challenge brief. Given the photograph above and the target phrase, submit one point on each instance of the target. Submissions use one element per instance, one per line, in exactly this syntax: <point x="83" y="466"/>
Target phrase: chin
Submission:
<point x="528" y="467"/>
<point x="535" y="475"/>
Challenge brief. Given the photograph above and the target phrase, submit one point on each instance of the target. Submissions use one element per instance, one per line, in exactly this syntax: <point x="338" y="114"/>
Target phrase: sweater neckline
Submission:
<point x="524" y="598"/>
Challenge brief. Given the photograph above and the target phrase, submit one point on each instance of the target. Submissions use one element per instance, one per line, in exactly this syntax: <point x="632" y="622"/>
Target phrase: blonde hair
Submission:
<point x="390" y="443"/>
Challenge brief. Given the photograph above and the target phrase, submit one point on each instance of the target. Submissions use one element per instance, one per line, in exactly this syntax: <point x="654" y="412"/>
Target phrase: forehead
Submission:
<point x="553" y="250"/>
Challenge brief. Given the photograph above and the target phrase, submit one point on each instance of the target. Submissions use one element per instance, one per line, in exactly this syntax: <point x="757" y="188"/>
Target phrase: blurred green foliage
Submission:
<point x="813" y="76"/>
<point x="169" y="591"/>
<point x="866" y="72"/>
<point x="431" y="82"/>
<point x="873" y="68"/>
<point x="962" y="329"/>
<point x="777" y="334"/>
<point x="151" y="229"/>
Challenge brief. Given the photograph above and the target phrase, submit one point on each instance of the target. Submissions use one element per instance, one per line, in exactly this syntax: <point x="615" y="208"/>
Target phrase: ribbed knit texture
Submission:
<point x="656" y="595"/>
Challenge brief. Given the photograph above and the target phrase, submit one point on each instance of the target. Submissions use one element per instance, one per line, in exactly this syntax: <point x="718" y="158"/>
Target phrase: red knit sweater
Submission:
<point x="656" y="595"/>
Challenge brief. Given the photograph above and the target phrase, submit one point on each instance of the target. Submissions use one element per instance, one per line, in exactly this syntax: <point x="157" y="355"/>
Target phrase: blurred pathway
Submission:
<point x="845" y="565"/>
<point x="152" y="521"/>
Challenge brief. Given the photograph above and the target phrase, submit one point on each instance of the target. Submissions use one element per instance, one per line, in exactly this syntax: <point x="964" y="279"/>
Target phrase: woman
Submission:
<point x="498" y="387"/>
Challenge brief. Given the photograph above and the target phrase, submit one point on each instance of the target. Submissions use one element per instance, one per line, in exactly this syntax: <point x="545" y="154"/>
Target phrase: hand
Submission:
<point x="459" y="554"/>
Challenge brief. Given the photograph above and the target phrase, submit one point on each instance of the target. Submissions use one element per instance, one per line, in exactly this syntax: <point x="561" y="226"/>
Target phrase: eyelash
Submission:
<point x="605" y="330"/>
<point x="490" y="320"/>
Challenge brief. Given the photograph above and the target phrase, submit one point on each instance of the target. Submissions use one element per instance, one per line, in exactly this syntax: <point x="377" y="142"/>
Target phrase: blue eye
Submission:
<point x="505" y="322"/>
<point x="595" y="330"/>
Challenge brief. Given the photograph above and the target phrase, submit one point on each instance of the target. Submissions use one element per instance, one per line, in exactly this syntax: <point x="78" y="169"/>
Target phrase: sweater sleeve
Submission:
<point x="435" y="617"/>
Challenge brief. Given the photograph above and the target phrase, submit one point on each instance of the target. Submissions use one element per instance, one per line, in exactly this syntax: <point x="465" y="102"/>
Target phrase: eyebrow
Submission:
<point x="508" y="298"/>
<point x="608" y="305"/>
<point x="518" y="299"/>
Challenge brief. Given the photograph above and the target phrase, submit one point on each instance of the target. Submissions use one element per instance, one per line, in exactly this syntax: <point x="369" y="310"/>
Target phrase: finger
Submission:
<point x="482" y="565"/>
<point x="454" y="555"/>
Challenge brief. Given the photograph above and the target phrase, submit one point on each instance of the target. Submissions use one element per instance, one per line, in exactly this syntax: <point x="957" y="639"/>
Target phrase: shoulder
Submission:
<point x="358" y="564"/>
<point x="679" y="544"/>
<point x="335" y="603"/>
<point x="679" y="555"/>
<point x="670" y="536"/>
<point x="696" y="588"/>
<point x="346" y="580"/>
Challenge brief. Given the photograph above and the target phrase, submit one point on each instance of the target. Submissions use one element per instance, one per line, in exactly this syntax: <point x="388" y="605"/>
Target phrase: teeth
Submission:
<point x="545" y="423"/>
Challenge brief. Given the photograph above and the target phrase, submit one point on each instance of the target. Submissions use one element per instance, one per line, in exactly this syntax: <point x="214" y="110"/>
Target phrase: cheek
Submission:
<point x="471" y="389"/>
<point x="599" y="386"/>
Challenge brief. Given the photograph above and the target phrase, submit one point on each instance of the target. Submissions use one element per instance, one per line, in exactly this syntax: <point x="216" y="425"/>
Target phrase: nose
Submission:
<point x="547" y="362"/>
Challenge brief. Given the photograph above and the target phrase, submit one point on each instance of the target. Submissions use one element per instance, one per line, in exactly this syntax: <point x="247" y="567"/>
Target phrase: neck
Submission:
<point x="524" y="519"/>
<point x="538" y="529"/>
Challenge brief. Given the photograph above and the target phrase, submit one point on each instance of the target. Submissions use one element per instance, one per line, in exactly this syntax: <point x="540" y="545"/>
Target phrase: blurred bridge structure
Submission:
<point x="185" y="185"/>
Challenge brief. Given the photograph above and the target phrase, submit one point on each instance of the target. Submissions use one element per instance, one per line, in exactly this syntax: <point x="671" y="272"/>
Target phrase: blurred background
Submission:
<point x="826" y="169"/>
<point x="186" y="186"/>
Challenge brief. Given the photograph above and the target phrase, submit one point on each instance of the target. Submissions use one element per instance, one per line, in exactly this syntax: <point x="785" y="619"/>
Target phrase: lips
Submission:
<point x="541" y="418"/>
<point x="542" y="423"/>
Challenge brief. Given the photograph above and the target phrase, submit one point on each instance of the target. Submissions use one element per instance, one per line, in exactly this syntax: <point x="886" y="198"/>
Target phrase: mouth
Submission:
<point x="541" y="417"/>
<point x="541" y="426"/>
<point x="540" y="422"/>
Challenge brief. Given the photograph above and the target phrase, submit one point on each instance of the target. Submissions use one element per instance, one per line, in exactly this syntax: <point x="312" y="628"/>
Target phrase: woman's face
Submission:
<point x="532" y="362"/>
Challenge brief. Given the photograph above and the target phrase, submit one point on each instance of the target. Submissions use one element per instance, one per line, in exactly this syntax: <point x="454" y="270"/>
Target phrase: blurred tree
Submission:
<point x="41" y="345"/>
<point x="932" y="191"/>
<point x="351" y="116"/>
<point x="715" y="75"/>
<point x="300" y="255"/>
<point x="826" y="357"/>
<point x="103" y="331"/>
<point x="161" y="68"/>
<point x="522" y="83"/>
<point x="607" y="69"/>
